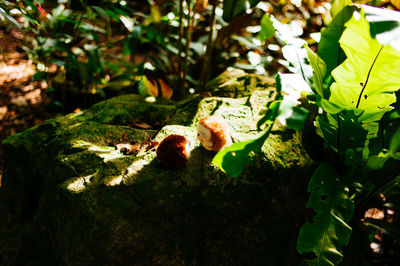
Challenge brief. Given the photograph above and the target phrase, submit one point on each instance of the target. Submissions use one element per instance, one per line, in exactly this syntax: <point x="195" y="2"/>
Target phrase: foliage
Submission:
<point x="360" y="92"/>
<point x="354" y="81"/>
<point x="103" y="48"/>
<point x="233" y="8"/>
<point x="329" y="229"/>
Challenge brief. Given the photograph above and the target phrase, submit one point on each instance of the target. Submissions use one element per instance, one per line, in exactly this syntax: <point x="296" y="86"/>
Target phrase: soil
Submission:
<point x="23" y="102"/>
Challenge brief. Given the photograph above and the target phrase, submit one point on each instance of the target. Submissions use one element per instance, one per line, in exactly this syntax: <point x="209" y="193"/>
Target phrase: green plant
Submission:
<point x="354" y="82"/>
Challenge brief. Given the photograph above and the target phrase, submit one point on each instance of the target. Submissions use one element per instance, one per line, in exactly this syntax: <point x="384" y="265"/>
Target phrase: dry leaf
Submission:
<point x="374" y="213"/>
<point x="19" y="101"/>
<point x="129" y="149"/>
<point x="142" y="125"/>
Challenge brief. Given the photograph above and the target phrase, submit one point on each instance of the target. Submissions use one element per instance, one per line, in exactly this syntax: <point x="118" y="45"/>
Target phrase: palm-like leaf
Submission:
<point x="369" y="76"/>
<point x="329" y="231"/>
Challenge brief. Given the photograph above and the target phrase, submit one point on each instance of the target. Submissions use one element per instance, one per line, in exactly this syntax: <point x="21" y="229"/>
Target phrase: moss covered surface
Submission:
<point x="70" y="198"/>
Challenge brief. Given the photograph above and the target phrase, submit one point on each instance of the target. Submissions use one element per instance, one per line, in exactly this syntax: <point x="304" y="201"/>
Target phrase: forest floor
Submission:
<point x="23" y="102"/>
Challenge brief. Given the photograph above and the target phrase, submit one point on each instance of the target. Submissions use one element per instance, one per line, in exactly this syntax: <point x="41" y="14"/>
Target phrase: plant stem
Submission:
<point x="207" y="58"/>
<point x="180" y="47"/>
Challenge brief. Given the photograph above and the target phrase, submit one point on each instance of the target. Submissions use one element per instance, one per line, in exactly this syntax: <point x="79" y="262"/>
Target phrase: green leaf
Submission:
<point x="368" y="78"/>
<point x="297" y="119"/>
<point x="329" y="107"/>
<point x="376" y="162"/>
<point x="11" y="19"/>
<point x="389" y="229"/>
<point x="270" y="115"/>
<point x="329" y="230"/>
<point x="344" y="134"/>
<point x="267" y="28"/>
<point x="338" y="6"/>
<point x="234" y="8"/>
<point x="319" y="68"/>
<point x="352" y="135"/>
<point x="101" y="12"/>
<point x="328" y="48"/>
<point x="394" y="145"/>
<point x="384" y="25"/>
<point x="39" y="76"/>
<point x="233" y="159"/>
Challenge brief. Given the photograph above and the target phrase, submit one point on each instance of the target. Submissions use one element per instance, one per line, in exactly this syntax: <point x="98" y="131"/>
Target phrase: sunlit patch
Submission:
<point x="253" y="29"/>
<point x="376" y="248"/>
<point x="105" y="152"/>
<point x="115" y="181"/>
<point x="110" y="155"/>
<point x="128" y="22"/>
<point x="80" y="184"/>
<point x="75" y="114"/>
<point x="74" y="126"/>
<point x="171" y="16"/>
<point x="136" y="166"/>
<point x="150" y="99"/>
<point x="101" y="148"/>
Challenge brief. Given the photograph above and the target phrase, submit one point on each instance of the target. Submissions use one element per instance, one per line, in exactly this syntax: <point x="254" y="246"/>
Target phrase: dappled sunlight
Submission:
<point x="107" y="153"/>
<point x="130" y="171"/>
<point x="80" y="184"/>
<point x="21" y="72"/>
<point x="115" y="181"/>
<point x="136" y="166"/>
<point x="111" y="155"/>
<point x="75" y="114"/>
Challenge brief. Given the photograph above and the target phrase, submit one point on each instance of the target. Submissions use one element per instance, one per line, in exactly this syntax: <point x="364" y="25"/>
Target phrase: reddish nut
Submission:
<point x="173" y="151"/>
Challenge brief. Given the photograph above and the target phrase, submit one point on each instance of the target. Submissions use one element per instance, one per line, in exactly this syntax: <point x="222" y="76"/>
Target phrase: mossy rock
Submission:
<point x="69" y="197"/>
<point x="236" y="83"/>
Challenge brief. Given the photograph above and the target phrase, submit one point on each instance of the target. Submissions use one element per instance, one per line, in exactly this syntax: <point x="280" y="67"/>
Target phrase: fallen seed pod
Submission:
<point x="173" y="151"/>
<point x="213" y="133"/>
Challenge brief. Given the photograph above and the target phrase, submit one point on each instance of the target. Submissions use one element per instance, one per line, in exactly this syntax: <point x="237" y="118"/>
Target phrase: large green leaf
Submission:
<point x="369" y="76"/>
<point x="233" y="8"/>
<point x="329" y="230"/>
<point x="328" y="48"/>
